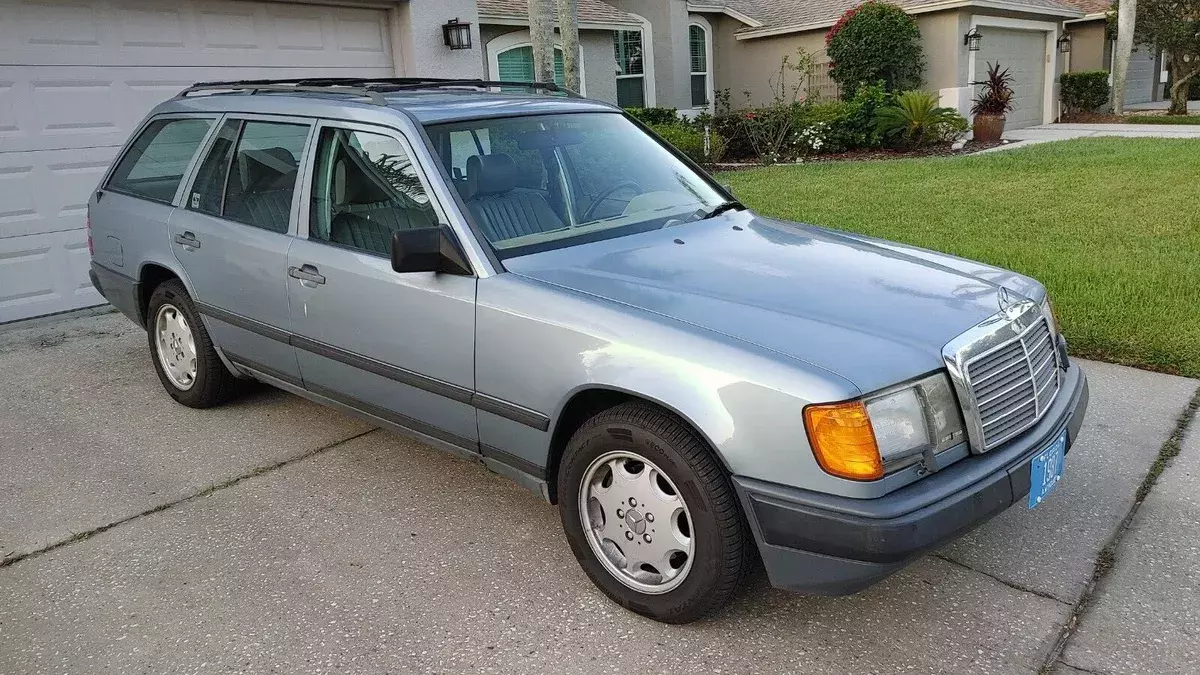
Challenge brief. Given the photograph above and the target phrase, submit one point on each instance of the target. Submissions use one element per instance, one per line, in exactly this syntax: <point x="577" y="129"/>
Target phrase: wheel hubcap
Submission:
<point x="175" y="346"/>
<point x="636" y="522"/>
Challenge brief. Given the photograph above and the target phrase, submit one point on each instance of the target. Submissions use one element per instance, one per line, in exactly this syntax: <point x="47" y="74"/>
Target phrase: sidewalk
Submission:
<point x="1046" y="133"/>
<point x="1145" y="614"/>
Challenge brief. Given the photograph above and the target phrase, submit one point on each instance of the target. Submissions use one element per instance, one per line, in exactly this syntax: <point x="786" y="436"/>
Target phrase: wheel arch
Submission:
<point x="586" y="402"/>
<point x="151" y="275"/>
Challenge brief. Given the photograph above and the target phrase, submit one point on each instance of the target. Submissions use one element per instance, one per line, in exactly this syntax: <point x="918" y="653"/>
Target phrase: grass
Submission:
<point x="1163" y="119"/>
<point x="1111" y="226"/>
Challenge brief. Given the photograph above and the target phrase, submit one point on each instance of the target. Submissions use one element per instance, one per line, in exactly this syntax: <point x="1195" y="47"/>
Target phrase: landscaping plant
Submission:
<point x="992" y="103"/>
<point x="915" y="119"/>
<point x="1084" y="91"/>
<point x="875" y="41"/>
<point x="769" y="127"/>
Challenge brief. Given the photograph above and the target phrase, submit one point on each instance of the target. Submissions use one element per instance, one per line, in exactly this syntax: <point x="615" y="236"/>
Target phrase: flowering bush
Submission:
<point x="812" y="139"/>
<point x="875" y="41"/>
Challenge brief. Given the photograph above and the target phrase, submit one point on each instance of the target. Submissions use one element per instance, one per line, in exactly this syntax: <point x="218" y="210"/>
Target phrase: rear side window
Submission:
<point x="154" y="165"/>
<point x="250" y="173"/>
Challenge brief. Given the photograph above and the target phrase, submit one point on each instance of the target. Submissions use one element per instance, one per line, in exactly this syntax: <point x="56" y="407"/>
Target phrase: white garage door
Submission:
<point x="77" y="76"/>
<point x="1142" y="76"/>
<point x="1023" y="52"/>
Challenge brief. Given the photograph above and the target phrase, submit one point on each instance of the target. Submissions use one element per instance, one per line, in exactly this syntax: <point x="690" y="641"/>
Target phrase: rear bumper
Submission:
<point x="122" y="291"/>
<point x="830" y="545"/>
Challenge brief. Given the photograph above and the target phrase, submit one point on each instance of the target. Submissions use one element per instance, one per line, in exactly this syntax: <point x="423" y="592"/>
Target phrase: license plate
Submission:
<point x="1046" y="469"/>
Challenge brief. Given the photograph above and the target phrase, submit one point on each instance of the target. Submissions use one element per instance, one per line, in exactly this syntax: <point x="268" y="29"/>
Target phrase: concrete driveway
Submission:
<point x="272" y="535"/>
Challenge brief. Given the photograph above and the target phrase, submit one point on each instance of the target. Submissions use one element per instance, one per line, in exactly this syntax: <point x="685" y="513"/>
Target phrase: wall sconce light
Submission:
<point x="458" y="35"/>
<point x="1064" y="44"/>
<point x="972" y="39"/>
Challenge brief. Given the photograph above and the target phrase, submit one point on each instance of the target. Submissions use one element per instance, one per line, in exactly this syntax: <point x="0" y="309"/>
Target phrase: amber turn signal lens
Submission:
<point x="843" y="441"/>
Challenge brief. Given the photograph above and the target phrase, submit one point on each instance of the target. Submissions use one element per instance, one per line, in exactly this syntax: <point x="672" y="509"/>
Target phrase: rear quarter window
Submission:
<point x="154" y="164"/>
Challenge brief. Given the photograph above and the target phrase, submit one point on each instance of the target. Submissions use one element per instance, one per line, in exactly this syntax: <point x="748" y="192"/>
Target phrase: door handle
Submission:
<point x="187" y="240"/>
<point x="307" y="274"/>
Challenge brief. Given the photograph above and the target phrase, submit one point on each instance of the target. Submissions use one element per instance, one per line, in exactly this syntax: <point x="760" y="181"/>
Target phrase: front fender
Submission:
<point x="538" y="346"/>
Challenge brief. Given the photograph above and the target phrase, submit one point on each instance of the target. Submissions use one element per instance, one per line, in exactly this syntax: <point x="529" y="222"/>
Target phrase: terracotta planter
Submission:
<point x="988" y="128"/>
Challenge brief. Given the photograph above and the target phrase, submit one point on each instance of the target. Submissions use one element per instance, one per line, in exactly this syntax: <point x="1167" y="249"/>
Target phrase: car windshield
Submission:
<point x="541" y="182"/>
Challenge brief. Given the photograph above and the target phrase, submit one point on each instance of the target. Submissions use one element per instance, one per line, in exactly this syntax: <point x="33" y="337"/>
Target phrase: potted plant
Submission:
<point x="993" y="101"/>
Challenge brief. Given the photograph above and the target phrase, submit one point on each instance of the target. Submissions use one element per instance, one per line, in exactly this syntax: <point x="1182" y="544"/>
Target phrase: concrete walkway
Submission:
<point x="272" y="535"/>
<point x="1046" y="133"/>
<point x="1193" y="106"/>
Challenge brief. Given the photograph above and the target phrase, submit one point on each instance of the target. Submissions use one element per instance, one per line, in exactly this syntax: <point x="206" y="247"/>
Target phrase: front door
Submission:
<point x="232" y="235"/>
<point x="398" y="346"/>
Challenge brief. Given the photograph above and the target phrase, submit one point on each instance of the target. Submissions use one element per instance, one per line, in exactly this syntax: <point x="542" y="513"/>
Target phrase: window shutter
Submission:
<point x="516" y="65"/>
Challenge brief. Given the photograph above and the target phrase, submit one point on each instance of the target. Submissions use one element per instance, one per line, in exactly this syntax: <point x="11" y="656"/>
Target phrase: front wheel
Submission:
<point x="651" y="515"/>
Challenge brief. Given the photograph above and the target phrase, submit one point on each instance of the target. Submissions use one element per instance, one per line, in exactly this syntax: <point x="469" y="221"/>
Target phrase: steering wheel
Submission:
<point x="603" y="196"/>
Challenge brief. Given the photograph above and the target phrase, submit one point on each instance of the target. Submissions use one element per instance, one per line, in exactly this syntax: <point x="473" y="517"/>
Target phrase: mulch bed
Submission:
<point x="942" y="150"/>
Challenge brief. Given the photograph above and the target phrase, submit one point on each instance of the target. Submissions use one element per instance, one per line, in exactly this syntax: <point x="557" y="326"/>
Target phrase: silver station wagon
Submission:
<point x="534" y="281"/>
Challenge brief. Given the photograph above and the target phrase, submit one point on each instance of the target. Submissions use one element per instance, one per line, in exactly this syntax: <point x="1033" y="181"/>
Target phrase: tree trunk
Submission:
<point x="568" y="28"/>
<point x="541" y="34"/>
<point x="1181" y="78"/>
<point x="1126" y="19"/>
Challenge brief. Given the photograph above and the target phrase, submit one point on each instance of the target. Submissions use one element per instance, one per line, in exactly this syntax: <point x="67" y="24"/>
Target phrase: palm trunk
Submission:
<point x="1126" y="19"/>
<point x="541" y="34"/>
<point x="568" y="28"/>
<point x="1181" y="78"/>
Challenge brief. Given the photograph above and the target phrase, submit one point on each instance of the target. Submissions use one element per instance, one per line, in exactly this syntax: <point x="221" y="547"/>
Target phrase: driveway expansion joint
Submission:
<point x="1013" y="585"/>
<point x="1107" y="557"/>
<point x="257" y="471"/>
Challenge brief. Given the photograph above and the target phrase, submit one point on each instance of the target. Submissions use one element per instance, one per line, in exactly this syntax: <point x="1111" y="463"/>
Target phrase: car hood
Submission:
<point x="874" y="312"/>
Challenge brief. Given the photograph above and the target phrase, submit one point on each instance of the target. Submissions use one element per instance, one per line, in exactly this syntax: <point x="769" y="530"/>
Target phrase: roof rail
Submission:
<point x="369" y="88"/>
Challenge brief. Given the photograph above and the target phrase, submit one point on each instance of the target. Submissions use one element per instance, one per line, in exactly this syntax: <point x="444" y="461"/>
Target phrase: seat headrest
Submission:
<point x="490" y="174"/>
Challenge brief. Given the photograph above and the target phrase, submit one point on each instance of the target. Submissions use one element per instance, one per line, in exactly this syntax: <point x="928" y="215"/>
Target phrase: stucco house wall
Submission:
<point x="1089" y="45"/>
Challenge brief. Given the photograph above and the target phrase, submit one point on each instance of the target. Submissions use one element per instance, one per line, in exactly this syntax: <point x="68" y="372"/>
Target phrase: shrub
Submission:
<point x="841" y="125"/>
<point x="690" y="141"/>
<point x="995" y="98"/>
<point x="1084" y="91"/>
<point x="875" y="41"/>
<point x="915" y="119"/>
<point x="653" y="116"/>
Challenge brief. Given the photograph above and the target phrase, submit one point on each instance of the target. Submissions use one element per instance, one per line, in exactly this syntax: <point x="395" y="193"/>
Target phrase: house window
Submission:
<point x="631" y="71"/>
<point x="516" y="65"/>
<point x="698" y="40"/>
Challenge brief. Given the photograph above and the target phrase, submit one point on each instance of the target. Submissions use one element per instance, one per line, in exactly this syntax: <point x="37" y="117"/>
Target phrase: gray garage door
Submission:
<point x="1023" y="52"/>
<point x="75" y="78"/>
<point x="1142" y="76"/>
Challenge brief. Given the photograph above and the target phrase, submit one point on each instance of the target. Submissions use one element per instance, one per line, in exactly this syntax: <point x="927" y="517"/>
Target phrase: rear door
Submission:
<point x="398" y="346"/>
<point x="232" y="234"/>
<point x="130" y="211"/>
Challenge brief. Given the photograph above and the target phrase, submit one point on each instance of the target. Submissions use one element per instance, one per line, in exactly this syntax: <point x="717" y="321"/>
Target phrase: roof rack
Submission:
<point x="369" y="88"/>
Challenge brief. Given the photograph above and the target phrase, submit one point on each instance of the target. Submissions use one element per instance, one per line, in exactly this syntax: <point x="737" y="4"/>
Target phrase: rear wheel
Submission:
<point x="651" y="515"/>
<point x="184" y="357"/>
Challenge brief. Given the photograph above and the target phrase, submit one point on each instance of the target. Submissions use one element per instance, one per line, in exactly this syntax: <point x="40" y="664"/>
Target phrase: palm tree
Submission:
<point x="541" y="35"/>
<point x="1126" y="20"/>
<point x="568" y="28"/>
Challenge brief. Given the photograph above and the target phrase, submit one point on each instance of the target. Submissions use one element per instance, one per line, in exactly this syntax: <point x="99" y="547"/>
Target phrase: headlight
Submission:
<point x="1051" y="315"/>
<point x="863" y="440"/>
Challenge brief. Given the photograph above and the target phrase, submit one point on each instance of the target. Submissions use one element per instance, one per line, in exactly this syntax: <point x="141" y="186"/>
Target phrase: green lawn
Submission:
<point x="1111" y="226"/>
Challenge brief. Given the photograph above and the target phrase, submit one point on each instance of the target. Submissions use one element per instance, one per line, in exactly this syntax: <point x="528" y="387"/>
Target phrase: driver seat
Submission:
<point x="502" y="209"/>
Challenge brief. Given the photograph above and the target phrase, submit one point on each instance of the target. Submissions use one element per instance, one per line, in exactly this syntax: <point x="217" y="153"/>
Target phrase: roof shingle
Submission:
<point x="784" y="13"/>
<point x="590" y="11"/>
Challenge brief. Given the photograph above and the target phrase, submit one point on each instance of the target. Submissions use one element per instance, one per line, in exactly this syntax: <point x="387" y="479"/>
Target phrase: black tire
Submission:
<point x="724" y="553"/>
<point x="213" y="383"/>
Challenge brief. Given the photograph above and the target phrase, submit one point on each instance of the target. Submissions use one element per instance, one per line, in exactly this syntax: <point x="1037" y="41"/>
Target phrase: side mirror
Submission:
<point x="427" y="249"/>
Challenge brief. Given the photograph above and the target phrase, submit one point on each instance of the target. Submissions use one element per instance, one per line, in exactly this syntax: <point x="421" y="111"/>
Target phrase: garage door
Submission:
<point x="1023" y="52"/>
<point x="1142" y="76"/>
<point x="77" y="76"/>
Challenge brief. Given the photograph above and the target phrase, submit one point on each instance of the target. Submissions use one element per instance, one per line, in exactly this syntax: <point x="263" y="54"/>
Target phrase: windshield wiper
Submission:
<point x="705" y="214"/>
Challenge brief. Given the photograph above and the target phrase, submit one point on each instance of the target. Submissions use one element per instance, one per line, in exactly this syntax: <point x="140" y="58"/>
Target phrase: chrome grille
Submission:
<point x="1013" y="384"/>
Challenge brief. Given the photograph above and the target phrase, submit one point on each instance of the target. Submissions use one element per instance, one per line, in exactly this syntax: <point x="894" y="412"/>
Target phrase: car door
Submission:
<point x="397" y="346"/>
<point x="233" y="233"/>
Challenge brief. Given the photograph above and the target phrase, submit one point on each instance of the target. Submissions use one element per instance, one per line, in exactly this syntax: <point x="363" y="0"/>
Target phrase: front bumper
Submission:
<point x="831" y="545"/>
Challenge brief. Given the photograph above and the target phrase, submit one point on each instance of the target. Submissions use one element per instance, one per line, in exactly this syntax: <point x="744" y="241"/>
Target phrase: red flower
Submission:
<point x="749" y="116"/>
